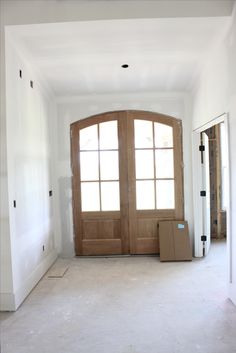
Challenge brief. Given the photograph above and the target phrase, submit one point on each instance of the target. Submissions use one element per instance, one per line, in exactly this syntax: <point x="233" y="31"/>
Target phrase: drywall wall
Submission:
<point x="6" y="285"/>
<point x="73" y="109"/>
<point x="29" y="108"/>
<point x="16" y="12"/>
<point x="215" y="94"/>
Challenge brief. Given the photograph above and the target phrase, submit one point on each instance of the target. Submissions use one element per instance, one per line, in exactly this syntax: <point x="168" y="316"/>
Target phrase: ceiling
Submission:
<point x="77" y="58"/>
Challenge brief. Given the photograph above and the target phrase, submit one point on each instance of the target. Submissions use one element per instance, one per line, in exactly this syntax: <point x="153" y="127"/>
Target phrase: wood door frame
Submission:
<point x="127" y="180"/>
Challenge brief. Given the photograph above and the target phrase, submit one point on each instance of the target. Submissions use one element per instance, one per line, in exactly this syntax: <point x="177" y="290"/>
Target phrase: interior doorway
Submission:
<point x="217" y="177"/>
<point x="212" y="187"/>
<point x="214" y="167"/>
<point x="127" y="176"/>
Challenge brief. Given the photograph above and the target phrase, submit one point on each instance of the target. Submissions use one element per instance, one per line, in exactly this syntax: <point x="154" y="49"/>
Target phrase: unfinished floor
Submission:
<point x="127" y="305"/>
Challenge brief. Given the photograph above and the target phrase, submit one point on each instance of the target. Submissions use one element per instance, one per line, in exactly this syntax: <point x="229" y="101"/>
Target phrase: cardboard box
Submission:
<point x="174" y="241"/>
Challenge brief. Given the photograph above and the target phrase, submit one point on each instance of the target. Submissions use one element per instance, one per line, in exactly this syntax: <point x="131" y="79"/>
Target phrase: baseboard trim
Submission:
<point x="7" y="301"/>
<point x="12" y="301"/>
<point x="232" y="294"/>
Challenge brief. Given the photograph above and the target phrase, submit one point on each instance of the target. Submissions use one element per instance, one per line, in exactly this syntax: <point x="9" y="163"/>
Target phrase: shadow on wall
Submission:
<point x="65" y="201"/>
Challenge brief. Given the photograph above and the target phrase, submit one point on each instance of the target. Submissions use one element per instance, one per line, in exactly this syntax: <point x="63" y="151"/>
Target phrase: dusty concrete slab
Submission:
<point x="127" y="305"/>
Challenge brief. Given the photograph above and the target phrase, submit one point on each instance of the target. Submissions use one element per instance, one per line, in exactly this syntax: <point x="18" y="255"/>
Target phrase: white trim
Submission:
<point x="197" y="202"/>
<point x="211" y="123"/>
<point x="223" y="118"/>
<point x="7" y="301"/>
<point x="25" y="289"/>
<point x="228" y="203"/>
<point x="232" y="294"/>
<point x="11" y="301"/>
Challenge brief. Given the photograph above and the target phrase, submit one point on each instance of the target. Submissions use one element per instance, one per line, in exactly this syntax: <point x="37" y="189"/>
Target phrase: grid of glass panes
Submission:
<point x="99" y="167"/>
<point x="154" y="165"/>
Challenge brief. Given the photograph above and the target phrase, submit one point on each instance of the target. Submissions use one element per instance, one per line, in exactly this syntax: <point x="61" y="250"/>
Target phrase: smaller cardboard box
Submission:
<point x="174" y="241"/>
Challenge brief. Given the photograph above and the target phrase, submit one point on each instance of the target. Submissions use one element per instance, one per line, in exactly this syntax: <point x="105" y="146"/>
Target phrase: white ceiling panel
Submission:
<point x="86" y="57"/>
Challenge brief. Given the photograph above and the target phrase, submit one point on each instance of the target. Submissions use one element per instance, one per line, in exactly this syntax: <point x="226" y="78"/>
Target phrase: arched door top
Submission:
<point x="139" y="114"/>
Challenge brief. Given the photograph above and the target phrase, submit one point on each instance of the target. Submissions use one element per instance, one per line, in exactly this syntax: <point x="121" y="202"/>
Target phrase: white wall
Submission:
<point x="29" y="112"/>
<point x="215" y="94"/>
<point x="70" y="110"/>
<point x="6" y="284"/>
<point x="16" y="12"/>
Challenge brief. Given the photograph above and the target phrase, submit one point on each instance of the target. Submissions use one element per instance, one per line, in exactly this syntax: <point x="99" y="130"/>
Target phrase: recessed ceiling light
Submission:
<point x="125" y="66"/>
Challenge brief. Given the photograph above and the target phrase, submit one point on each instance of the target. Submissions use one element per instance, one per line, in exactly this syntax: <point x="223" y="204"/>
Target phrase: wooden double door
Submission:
<point x="127" y="175"/>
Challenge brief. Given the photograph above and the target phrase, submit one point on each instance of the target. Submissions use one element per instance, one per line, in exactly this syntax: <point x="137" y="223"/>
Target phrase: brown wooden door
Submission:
<point x="155" y="177"/>
<point x="127" y="175"/>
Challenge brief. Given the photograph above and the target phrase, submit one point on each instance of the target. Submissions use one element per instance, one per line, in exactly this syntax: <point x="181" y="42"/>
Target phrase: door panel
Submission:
<point x="155" y="177"/>
<point x="102" y="247"/>
<point x="100" y="226"/>
<point x="101" y="229"/>
<point x="101" y="237"/>
<point x="127" y="176"/>
<point x="147" y="236"/>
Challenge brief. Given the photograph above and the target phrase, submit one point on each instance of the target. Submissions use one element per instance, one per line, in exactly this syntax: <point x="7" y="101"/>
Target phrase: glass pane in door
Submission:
<point x="164" y="163"/>
<point x="145" y="195"/>
<point x="144" y="164"/>
<point x="163" y="135"/>
<point x="89" y="138"/>
<point x="110" y="196"/>
<point x="143" y="134"/>
<point x="90" y="196"/>
<point x="165" y="194"/>
<point x="108" y="137"/>
<point x="89" y="166"/>
<point x="109" y="165"/>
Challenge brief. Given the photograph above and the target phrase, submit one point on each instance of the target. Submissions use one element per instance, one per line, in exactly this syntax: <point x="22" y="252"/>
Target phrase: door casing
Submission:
<point x="197" y="186"/>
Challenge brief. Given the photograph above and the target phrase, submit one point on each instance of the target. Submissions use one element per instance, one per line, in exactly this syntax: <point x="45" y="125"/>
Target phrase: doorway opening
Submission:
<point x="217" y="177"/>
<point x="127" y="176"/>
<point x="214" y="193"/>
<point x="212" y="188"/>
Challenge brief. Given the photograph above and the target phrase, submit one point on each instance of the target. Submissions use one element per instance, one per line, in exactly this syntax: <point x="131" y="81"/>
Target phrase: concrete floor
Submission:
<point x="127" y="305"/>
